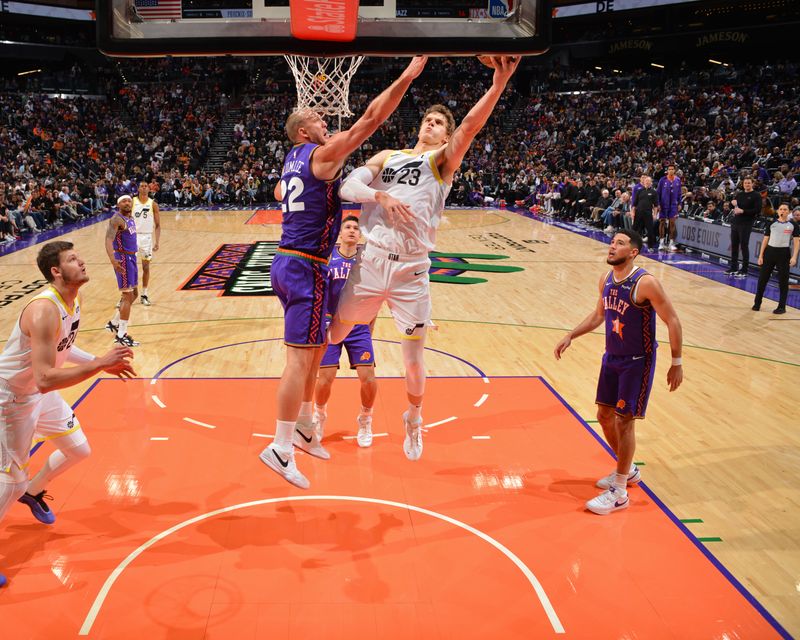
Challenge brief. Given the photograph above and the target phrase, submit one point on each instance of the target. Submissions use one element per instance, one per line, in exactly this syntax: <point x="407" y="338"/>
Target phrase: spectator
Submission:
<point x="747" y="206"/>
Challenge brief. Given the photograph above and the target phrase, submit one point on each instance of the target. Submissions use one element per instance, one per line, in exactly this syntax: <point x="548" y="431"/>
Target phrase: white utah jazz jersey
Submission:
<point x="415" y="180"/>
<point x="15" y="359"/>
<point x="143" y="215"/>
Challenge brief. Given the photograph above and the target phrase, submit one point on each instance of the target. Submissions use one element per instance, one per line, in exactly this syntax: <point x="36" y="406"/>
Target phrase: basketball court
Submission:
<point x="175" y="529"/>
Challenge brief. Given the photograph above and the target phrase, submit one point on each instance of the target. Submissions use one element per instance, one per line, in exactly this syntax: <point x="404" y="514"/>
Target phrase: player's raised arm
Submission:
<point x="329" y="157"/>
<point x="450" y="157"/>
<point x="651" y="289"/>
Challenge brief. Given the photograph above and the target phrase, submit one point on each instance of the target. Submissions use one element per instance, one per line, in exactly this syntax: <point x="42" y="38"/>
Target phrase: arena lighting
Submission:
<point x="599" y="68"/>
<point x="25" y="73"/>
<point x="714" y="61"/>
<point x="656" y="65"/>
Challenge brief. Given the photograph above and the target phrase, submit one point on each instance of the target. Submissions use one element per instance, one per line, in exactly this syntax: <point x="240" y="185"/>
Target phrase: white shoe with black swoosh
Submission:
<point x="306" y="438"/>
<point x="283" y="464"/>
<point x="608" y="502"/>
<point x="412" y="445"/>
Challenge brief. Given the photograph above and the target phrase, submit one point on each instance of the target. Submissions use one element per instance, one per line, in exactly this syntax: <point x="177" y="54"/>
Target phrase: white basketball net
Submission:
<point x="323" y="84"/>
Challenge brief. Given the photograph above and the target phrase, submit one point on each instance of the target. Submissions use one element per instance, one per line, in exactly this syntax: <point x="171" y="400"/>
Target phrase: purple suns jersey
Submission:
<point x="338" y="272"/>
<point x="312" y="208"/>
<point x="630" y="328"/>
<point x="125" y="241"/>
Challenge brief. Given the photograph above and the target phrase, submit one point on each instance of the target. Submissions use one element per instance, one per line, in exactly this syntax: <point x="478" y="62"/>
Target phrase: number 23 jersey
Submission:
<point x="414" y="180"/>
<point x="312" y="208"/>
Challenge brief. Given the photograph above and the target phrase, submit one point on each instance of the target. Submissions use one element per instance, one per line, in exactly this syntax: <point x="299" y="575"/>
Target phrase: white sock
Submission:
<point x="122" y="329"/>
<point x="414" y="412"/>
<point x="284" y="430"/>
<point x="621" y="482"/>
<point x="144" y="291"/>
<point x="366" y="411"/>
<point x="115" y="319"/>
<point x="321" y="409"/>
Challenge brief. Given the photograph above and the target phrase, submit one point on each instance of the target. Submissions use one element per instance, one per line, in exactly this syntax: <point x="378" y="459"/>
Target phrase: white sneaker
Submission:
<point x="611" y="500"/>
<point x="673" y="246"/>
<point x="146" y="300"/>
<point x="609" y="229"/>
<point x="412" y="445"/>
<point x="634" y="477"/>
<point x="283" y="464"/>
<point x="662" y="244"/>
<point x="364" y="437"/>
<point x="305" y="437"/>
<point x="320" y="419"/>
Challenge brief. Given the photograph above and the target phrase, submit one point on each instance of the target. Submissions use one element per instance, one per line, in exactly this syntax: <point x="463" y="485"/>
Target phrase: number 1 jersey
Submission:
<point x="414" y="180"/>
<point x="312" y="208"/>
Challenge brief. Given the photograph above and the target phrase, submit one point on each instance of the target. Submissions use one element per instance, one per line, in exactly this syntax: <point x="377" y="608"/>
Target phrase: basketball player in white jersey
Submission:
<point x="31" y="370"/>
<point x="403" y="193"/>
<point x="148" y="232"/>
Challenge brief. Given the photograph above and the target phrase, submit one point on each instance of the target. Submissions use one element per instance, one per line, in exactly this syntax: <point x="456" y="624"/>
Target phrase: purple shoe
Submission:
<point x="38" y="507"/>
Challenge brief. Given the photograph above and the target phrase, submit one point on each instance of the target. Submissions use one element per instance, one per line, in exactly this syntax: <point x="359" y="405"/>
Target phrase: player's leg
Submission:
<point x="58" y="425"/>
<point x="322" y="392"/>
<point x="369" y="391"/>
<point x="301" y="288"/>
<point x="662" y="226"/>
<point x="128" y="282"/>
<point x="145" y="244"/>
<point x="306" y="436"/>
<point x="361" y="353"/>
<point x="763" y="278"/>
<point x="782" y="262"/>
<point x="673" y="231"/>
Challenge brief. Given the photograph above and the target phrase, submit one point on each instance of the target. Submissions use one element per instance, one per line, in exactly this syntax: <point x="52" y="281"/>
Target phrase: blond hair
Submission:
<point x="297" y="119"/>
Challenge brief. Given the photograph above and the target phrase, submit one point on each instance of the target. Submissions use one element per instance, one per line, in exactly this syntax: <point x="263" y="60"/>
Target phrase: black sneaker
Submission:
<point x="779" y="310"/>
<point x="756" y="307"/>
<point x="146" y="301"/>
<point x="126" y="341"/>
<point x="740" y="274"/>
<point x="730" y="272"/>
<point x="111" y="327"/>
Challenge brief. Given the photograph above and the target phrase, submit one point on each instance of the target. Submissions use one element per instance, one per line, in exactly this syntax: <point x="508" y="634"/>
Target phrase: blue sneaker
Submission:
<point x="3" y="580"/>
<point x="38" y="507"/>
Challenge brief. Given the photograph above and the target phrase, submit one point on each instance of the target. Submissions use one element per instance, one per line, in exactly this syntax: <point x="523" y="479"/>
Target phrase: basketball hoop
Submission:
<point x="323" y="84"/>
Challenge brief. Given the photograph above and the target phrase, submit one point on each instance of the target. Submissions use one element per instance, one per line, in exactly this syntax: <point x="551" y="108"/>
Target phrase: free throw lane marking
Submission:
<point x="94" y="610"/>
<point x="157" y="400"/>
<point x="436" y="424"/>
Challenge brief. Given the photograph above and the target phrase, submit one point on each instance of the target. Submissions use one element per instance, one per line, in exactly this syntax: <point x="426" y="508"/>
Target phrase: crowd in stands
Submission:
<point x="568" y="144"/>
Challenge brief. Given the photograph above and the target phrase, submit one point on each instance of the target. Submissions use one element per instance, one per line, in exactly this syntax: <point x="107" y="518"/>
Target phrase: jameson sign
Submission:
<point x="736" y="37"/>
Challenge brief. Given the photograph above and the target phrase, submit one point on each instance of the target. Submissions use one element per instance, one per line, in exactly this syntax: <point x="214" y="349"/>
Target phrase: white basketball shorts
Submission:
<point x="402" y="282"/>
<point x="25" y="420"/>
<point x="144" y="243"/>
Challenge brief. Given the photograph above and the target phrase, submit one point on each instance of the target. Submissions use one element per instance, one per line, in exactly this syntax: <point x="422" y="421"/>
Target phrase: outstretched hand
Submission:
<point x="397" y="210"/>
<point x="504" y="66"/>
<point x="415" y="67"/>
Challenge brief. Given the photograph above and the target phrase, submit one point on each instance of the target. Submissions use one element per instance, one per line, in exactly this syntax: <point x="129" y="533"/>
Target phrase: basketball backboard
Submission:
<point x="262" y="27"/>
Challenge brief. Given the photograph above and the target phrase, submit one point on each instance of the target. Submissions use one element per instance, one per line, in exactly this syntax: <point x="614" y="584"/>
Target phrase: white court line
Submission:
<point x="159" y="439"/>
<point x="436" y="424"/>
<point x="481" y="437"/>
<point x="200" y="424"/>
<point x="486" y="380"/>
<point x="94" y="610"/>
<point x="482" y="400"/>
<point x="154" y="380"/>
<point x="374" y="435"/>
<point x="264" y="435"/>
<point x="157" y="400"/>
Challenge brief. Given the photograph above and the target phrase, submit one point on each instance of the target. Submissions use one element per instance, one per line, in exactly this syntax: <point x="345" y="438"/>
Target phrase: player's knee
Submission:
<point x="78" y="452"/>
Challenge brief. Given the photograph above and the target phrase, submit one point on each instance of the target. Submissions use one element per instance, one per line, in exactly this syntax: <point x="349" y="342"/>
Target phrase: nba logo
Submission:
<point x="500" y="8"/>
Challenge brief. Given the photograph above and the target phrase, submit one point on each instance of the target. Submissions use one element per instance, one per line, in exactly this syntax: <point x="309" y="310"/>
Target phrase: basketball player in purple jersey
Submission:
<point x="358" y="342"/>
<point x="630" y="299"/>
<point x="121" y="248"/>
<point x="669" y="198"/>
<point x="312" y="214"/>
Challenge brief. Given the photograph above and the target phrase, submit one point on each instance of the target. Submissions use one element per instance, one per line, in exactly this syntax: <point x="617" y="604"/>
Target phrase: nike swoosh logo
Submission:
<point x="284" y="463"/>
<point x="302" y="435"/>
<point x="619" y="504"/>
<point x="636" y="357"/>
<point x="418" y="273"/>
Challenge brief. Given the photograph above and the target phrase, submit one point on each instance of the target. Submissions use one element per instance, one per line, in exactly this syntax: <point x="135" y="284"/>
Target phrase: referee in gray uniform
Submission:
<point x="774" y="253"/>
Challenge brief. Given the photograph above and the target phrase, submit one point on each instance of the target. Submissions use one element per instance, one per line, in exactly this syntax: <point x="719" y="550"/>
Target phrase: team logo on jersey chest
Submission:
<point x="389" y="174"/>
